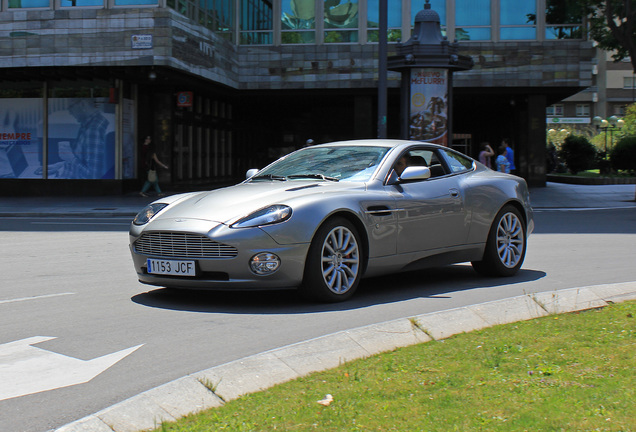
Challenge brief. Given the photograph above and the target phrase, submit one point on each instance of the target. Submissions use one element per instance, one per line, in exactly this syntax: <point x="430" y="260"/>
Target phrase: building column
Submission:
<point x="531" y="146"/>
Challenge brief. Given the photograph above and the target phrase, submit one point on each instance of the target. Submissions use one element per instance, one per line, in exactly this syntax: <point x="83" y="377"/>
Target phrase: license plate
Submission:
<point x="171" y="267"/>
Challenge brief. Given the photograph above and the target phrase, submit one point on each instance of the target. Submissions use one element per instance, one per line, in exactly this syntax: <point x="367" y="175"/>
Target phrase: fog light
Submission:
<point x="264" y="263"/>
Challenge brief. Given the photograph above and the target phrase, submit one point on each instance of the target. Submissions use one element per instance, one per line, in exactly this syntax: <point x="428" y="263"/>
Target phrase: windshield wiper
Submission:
<point x="269" y="177"/>
<point x="316" y="176"/>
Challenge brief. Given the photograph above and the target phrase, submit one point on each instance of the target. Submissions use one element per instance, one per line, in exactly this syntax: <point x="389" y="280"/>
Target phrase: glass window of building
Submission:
<point x="628" y="82"/>
<point x="517" y="20"/>
<point x="619" y="110"/>
<point x="257" y="20"/>
<point x="341" y="21"/>
<point x="298" y="22"/>
<point x="136" y="2"/>
<point x="81" y="3"/>
<point x="582" y="110"/>
<point x="564" y="19"/>
<point x="555" y="110"/>
<point x="394" y="21"/>
<point x="15" y="4"/>
<point x="472" y="20"/>
<point x="217" y="15"/>
<point x="438" y="6"/>
<point x="224" y="11"/>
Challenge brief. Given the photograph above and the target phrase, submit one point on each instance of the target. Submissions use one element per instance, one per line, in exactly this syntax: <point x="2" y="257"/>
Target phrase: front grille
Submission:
<point x="182" y="245"/>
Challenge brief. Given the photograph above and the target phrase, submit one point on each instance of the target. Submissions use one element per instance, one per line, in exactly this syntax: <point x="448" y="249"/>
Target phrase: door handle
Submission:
<point x="454" y="193"/>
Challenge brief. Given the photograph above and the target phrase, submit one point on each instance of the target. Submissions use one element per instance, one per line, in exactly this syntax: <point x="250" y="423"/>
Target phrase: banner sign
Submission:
<point x="569" y="120"/>
<point x="184" y="99"/>
<point x="428" y="115"/>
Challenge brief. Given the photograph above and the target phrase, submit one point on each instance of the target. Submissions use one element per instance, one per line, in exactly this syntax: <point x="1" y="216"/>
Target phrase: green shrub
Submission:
<point x="578" y="153"/>
<point x="623" y="155"/>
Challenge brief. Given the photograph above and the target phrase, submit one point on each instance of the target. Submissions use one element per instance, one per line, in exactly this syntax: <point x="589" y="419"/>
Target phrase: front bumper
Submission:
<point x="223" y="273"/>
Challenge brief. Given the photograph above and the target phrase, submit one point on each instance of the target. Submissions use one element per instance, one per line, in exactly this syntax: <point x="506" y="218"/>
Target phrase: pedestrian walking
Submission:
<point x="151" y="161"/>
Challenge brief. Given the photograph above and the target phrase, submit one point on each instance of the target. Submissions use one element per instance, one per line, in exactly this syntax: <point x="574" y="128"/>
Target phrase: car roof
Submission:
<point x="391" y="143"/>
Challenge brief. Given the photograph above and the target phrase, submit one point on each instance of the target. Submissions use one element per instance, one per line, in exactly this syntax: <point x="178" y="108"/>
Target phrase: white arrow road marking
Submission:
<point x="25" y="369"/>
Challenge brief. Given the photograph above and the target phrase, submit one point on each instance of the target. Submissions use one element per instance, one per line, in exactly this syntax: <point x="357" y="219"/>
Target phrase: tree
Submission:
<point x="613" y="27"/>
<point x="578" y="154"/>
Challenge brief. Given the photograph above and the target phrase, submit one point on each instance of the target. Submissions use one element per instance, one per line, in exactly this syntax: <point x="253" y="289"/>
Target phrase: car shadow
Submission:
<point x="430" y="283"/>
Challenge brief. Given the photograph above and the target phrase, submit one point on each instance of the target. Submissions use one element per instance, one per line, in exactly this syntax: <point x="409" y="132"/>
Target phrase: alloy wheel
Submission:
<point x="340" y="260"/>
<point x="510" y="240"/>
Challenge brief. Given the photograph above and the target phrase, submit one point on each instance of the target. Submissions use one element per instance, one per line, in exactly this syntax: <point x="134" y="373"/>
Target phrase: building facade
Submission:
<point x="613" y="89"/>
<point x="227" y="85"/>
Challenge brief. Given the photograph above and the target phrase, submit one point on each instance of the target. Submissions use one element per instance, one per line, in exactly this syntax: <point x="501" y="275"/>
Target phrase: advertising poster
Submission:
<point x="81" y="138"/>
<point x="20" y="142"/>
<point x="428" y="116"/>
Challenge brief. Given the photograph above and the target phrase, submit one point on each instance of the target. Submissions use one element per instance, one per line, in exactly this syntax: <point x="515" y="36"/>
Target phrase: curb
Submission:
<point x="591" y="180"/>
<point x="82" y="214"/>
<point x="213" y="387"/>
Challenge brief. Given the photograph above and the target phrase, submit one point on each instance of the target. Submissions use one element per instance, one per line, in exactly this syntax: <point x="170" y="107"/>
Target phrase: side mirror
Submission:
<point x="251" y="173"/>
<point x="415" y="173"/>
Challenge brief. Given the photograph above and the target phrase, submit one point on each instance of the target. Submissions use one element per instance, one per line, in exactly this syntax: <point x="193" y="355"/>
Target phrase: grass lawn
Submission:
<point x="572" y="372"/>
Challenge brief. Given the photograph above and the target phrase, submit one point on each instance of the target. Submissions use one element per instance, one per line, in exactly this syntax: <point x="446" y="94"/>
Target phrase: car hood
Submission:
<point x="228" y="204"/>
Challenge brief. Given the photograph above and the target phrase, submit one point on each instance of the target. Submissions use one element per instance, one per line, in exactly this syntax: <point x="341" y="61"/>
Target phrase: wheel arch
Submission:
<point x="519" y="206"/>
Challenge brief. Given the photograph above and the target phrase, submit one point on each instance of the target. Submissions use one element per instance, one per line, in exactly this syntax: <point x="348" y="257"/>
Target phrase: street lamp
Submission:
<point x="612" y="124"/>
<point x="556" y="137"/>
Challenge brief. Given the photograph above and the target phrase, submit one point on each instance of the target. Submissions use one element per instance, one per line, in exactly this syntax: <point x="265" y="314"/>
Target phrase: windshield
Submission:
<point x="337" y="163"/>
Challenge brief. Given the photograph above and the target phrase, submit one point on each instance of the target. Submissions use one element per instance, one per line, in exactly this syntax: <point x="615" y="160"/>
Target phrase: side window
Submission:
<point x="457" y="162"/>
<point x="422" y="157"/>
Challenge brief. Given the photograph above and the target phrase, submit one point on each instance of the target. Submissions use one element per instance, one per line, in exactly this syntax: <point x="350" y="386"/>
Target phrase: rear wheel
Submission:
<point x="506" y="244"/>
<point x="334" y="262"/>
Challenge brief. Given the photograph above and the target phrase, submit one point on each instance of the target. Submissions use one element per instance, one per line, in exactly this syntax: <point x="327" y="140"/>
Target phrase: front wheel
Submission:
<point x="506" y="244"/>
<point x="334" y="262"/>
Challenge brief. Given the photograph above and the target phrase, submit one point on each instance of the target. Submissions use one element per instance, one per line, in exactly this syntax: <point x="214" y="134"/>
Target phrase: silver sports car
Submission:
<point x="323" y="217"/>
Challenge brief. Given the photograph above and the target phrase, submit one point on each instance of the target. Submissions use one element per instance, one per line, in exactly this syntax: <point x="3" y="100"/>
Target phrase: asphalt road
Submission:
<point x="74" y="282"/>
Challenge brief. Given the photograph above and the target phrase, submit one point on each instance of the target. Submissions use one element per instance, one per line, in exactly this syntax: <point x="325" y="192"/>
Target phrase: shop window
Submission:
<point x="21" y="136"/>
<point x="257" y="22"/>
<point x="472" y="20"/>
<point x="564" y="19"/>
<point x="341" y="21"/>
<point x="298" y="22"/>
<point x="394" y="21"/>
<point x="517" y="20"/>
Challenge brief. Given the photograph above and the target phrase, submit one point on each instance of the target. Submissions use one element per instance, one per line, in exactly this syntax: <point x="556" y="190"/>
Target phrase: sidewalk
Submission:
<point x="554" y="195"/>
<point x="572" y="196"/>
<point x="77" y="206"/>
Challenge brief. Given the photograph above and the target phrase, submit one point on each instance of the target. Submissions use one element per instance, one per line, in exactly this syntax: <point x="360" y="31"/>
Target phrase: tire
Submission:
<point x="506" y="244"/>
<point x="334" y="262"/>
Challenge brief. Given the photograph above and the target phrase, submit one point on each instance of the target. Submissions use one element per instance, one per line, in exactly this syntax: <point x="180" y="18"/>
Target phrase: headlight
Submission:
<point x="268" y="215"/>
<point x="144" y="216"/>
